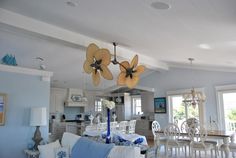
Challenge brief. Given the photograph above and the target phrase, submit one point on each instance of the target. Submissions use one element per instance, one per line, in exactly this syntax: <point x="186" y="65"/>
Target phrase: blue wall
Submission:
<point x="23" y="93"/>
<point x="177" y="79"/>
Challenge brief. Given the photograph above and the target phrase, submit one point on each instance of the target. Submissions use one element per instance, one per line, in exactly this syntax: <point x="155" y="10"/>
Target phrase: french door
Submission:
<point x="227" y="109"/>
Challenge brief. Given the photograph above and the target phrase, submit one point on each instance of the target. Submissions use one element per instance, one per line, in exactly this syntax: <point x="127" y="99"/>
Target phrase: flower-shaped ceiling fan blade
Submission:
<point x="129" y="74"/>
<point x="96" y="63"/>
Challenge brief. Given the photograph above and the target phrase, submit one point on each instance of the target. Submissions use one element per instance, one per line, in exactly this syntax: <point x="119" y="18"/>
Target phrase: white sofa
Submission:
<point x="69" y="140"/>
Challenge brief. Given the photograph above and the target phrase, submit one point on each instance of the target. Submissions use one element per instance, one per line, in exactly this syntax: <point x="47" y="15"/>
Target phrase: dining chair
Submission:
<point x="131" y="126"/>
<point x="90" y="128"/>
<point x="122" y="126"/>
<point x="102" y="126"/>
<point x="198" y="136"/>
<point x="192" y="121"/>
<point x="184" y="129"/>
<point x="172" y="133"/>
<point x="158" y="141"/>
<point x="212" y="127"/>
<point x="113" y="126"/>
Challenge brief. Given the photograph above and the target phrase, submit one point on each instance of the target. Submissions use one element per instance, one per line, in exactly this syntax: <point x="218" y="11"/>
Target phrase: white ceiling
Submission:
<point x="168" y="36"/>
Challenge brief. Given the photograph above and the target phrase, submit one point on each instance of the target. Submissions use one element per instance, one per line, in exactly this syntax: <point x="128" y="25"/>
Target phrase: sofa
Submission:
<point x="69" y="140"/>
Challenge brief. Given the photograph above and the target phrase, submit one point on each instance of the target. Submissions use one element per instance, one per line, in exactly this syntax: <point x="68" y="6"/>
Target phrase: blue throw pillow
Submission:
<point x="86" y="148"/>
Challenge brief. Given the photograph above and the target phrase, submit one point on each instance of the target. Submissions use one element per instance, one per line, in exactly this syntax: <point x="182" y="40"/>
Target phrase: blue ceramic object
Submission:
<point x="108" y="138"/>
<point x="9" y="60"/>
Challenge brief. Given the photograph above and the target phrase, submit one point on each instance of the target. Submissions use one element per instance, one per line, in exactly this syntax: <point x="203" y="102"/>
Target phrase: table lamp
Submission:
<point x="38" y="117"/>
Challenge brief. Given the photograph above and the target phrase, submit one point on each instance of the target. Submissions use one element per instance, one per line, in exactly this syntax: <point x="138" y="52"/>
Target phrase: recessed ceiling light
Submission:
<point x="160" y="5"/>
<point x="71" y="3"/>
<point x="204" y="46"/>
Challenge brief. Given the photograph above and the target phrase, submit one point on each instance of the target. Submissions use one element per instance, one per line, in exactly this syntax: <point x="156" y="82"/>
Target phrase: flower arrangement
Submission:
<point x="108" y="104"/>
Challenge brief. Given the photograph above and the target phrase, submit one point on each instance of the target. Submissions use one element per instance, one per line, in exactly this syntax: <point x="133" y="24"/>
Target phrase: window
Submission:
<point x="179" y="111"/>
<point x="137" y="105"/>
<point x="98" y="105"/>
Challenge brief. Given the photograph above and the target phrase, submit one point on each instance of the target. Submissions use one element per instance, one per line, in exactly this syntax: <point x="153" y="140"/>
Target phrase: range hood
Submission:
<point x="75" y="98"/>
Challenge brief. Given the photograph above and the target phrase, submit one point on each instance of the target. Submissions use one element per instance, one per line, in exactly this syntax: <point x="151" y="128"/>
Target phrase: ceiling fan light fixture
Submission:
<point x="97" y="61"/>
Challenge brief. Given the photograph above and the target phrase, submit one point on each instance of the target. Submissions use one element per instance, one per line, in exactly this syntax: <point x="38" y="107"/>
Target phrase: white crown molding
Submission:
<point x="45" y="75"/>
<point x="230" y="87"/>
<point x="202" y="67"/>
<point x="39" y="29"/>
<point x="183" y="91"/>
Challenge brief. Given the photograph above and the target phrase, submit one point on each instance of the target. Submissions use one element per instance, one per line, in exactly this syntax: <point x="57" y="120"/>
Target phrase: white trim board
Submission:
<point x="45" y="75"/>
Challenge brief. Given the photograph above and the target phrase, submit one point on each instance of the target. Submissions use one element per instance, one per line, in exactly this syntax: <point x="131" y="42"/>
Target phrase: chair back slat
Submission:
<point x="172" y="131"/>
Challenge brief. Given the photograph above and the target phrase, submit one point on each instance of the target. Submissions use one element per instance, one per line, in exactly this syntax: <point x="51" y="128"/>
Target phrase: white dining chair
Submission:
<point x="184" y="129"/>
<point x="158" y="141"/>
<point x="198" y="136"/>
<point x="131" y="126"/>
<point x="212" y="127"/>
<point x="102" y="126"/>
<point x="113" y="126"/>
<point x="122" y="126"/>
<point x="172" y="133"/>
<point x="192" y="121"/>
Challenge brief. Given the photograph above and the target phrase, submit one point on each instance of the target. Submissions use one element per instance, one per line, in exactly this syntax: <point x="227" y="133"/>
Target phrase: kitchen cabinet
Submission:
<point x="57" y="99"/>
<point x="144" y="127"/>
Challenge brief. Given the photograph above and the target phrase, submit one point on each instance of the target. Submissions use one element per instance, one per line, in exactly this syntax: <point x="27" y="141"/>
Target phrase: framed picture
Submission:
<point x="3" y="104"/>
<point x="160" y="105"/>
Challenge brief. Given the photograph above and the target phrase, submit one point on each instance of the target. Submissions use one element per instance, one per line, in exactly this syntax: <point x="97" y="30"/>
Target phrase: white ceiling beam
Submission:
<point x="51" y="31"/>
<point x="45" y="75"/>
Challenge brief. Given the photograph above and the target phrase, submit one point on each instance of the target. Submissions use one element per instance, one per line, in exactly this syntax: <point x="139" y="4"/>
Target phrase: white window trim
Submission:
<point x="219" y="102"/>
<point x="181" y="92"/>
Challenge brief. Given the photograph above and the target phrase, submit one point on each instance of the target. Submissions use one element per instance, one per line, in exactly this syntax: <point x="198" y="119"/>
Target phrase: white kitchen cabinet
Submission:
<point x="57" y="99"/>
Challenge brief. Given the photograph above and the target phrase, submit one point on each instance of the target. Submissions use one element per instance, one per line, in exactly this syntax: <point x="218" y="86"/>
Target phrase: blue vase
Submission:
<point x="108" y="137"/>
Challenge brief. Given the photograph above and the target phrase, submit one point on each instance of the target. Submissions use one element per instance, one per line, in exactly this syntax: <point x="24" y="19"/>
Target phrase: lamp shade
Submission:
<point x="38" y="116"/>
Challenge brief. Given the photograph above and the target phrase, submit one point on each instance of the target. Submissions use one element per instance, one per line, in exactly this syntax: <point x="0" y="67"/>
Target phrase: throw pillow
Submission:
<point x="69" y="140"/>
<point x="62" y="152"/>
<point x="48" y="150"/>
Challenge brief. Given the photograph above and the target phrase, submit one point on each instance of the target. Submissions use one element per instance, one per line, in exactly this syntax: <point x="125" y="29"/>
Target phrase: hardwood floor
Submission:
<point x="150" y="142"/>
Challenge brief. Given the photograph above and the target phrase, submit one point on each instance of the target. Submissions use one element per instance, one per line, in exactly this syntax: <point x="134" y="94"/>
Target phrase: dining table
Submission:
<point x="226" y="136"/>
